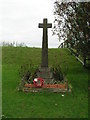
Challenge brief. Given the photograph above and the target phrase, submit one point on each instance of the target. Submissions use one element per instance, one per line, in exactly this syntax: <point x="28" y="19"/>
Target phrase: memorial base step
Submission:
<point x="46" y="74"/>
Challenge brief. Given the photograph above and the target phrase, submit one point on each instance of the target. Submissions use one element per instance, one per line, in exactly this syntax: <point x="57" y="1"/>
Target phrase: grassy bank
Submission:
<point x="39" y="105"/>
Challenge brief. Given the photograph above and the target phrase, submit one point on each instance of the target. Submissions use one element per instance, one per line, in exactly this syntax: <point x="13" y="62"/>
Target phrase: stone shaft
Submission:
<point x="45" y="25"/>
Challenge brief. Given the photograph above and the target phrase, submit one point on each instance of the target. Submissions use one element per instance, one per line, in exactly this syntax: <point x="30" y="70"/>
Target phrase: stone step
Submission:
<point x="46" y="69"/>
<point x="48" y="80"/>
<point x="45" y="90"/>
<point x="45" y="73"/>
<point x="45" y="76"/>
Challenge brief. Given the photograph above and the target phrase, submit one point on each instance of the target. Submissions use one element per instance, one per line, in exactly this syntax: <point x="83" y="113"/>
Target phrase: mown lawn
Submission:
<point x="43" y="105"/>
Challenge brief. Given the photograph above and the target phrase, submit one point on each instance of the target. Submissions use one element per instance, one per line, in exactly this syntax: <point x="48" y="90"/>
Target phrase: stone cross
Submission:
<point x="45" y="25"/>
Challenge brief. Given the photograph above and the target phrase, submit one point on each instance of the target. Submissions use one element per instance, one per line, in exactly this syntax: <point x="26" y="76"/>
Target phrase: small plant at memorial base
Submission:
<point x="57" y="73"/>
<point x="27" y="73"/>
<point x="60" y="67"/>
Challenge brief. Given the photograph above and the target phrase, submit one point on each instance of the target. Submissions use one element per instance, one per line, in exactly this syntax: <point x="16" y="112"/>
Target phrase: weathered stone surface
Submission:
<point x="45" y="25"/>
<point x="55" y="90"/>
<point x="46" y="74"/>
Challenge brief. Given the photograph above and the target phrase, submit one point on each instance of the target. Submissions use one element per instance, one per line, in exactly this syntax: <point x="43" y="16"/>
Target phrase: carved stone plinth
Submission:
<point x="46" y="74"/>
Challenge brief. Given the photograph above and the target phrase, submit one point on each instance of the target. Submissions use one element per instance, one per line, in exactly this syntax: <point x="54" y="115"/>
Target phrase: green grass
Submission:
<point x="43" y="105"/>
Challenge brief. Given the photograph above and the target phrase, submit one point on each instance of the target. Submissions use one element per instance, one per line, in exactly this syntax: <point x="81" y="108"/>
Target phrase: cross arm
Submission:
<point x="49" y="25"/>
<point x="40" y="25"/>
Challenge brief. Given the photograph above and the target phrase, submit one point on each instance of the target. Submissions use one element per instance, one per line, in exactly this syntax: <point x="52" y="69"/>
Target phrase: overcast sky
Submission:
<point x="19" y="21"/>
